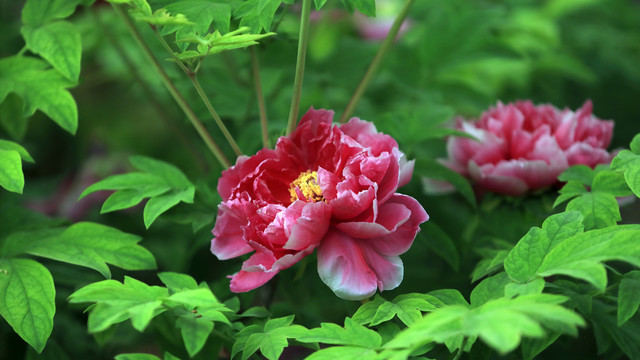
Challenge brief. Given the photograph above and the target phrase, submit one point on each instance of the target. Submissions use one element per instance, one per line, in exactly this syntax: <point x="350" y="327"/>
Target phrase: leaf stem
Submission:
<point x="373" y="67"/>
<point x="302" y="54"/>
<point x="177" y="96"/>
<point x="461" y="349"/>
<point x="261" y="106"/>
<point x="203" y="96"/>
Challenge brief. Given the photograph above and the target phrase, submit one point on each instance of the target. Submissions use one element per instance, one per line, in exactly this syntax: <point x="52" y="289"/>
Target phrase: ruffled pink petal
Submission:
<point x="390" y="216"/>
<point x="228" y="241"/>
<point x="585" y="154"/>
<point x="351" y="199"/>
<point x="508" y="185"/>
<point x="256" y="271"/>
<point x="388" y="269"/>
<point x="406" y="169"/>
<point x="306" y="228"/>
<point x="343" y="267"/>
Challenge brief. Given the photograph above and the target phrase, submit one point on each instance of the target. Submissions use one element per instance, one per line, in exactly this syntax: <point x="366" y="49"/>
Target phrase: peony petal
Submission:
<point x="228" y="241"/>
<point x="308" y="227"/>
<point x="401" y="238"/>
<point x="388" y="269"/>
<point x="244" y="281"/>
<point x="390" y="216"/>
<point x="508" y="185"/>
<point x="342" y="266"/>
<point x="406" y="170"/>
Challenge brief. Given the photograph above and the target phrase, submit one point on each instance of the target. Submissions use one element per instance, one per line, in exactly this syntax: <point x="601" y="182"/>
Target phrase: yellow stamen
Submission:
<point x="307" y="184"/>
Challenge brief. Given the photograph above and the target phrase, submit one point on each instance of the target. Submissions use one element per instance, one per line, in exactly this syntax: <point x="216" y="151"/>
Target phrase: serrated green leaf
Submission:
<point x="599" y="209"/>
<point x="24" y="76"/>
<point x="162" y="17"/>
<point x="611" y="182"/>
<point x="59" y="43"/>
<point x="202" y="14"/>
<point x="535" y="286"/>
<point x="195" y="332"/>
<point x="580" y="173"/>
<point x="176" y="282"/>
<point x="501" y="323"/>
<point x="582" y="255"/>
<point x="570" y="190"/>
<point x="367" y="311"/>
<point x="117" y="302"/>
<point x="408" y="308"/>
<point x="523" y="261"/>
<point x="11" y="176"/>
<point x="27" y="300"/>
<point x="85" y="244"/>
<point x="271" y="340"/>
<point x="38" y="12"/>
<point x="628" y="296"/>
<point x="345" y="353"/>
<point x="352" y="334"/>
<point x="10" y="145"/>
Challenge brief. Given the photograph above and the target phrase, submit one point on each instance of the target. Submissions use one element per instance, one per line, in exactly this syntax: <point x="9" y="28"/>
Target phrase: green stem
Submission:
<point x="261" y="106"/>
<point x="203" y="96"/>
<point x="177" y="96"/>
<point x="373" y="67"/>
<point x="302" y="54"/>
<point x="461" y="350"/>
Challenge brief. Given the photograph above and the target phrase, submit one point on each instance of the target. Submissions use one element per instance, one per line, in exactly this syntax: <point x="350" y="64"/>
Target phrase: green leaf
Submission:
<point x="345" y="353"/>
<point x="319" y="4"/>
<point x="161" y="203"/>
<point x="352" y="334"/>
<point x="433" y="170"/>
<point x="501" y="323"/>
<point x="195" y="332"/>
<point x="85" y="244"/>
<point x="490" y="265"/>
<point x="24" y="76"/>
<point x="441" y="243"/>
<point x="580" y="173"/>
<point x="169" y="173"/>
<point x="271" y="340"/>
<point x="611" y="182"/>
<point x="408" y="308"/>
<point x="59" y="43"/>
<point x="628" y="296"/>
<point x="38" y="12"/>
<point x="202" y="14"/>
<point x="177" y="282"/>
<point x="117" y="302"/>
<point x="629" y="162"/>
<point x="599" y="209"/>
<point x="535" y="286"/>
<point x="11" y="146"/>
<point x="523" y="261"/>
<point x="136" y="357"/>
<point x="12" y="116"/>
<point x="27" y="300"/>
<point x="581" y="256"/>
<point x="367" y="311"/>
<point x="449" y="297"/>
<point x="570" y="190"/>
<point x="489" y="289"/>
<point x="11" y="176"/>
<point x="367" y="7"/>
<point x="635" y="144"/>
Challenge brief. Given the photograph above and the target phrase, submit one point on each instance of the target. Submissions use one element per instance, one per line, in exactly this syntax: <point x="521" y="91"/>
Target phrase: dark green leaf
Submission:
<point x="195" y="332"/>
<point x="489" y="289"/>
<point x="136" y="357"/>
<point x="27" y="299"/>
<point x="434" y="170"/>
<point x="441" y="243"/>
<point x="628" y="296"/>
<point x="12" y="116"/>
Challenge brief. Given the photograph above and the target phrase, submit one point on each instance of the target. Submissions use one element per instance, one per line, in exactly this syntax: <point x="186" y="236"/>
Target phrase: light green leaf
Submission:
<point x="635" y="144"/>
<point x="352" y="334"/>
<point x="195" y="332"/>
<point x="629" y="162"/>
<point x="27" y="300"/>
<point x="136" y="357"/>
<point x="38" y="12"/>
<point x="489" y="265"/>
<point x="11" y="176"/>
<point x="344" y="353"/>
<point x="523" y="261"/>
<point x="169" y="173"/>
<point x="535" y="286"/>
<point x="367" y="311"/>
<point x="580" y="173"/>
<point x="408" y="308"/>
<point x="177" y="282"/>
<point x="24" y="76"/>
<point x="319" y="4"/>
<point x="59" y="43"/>
<point x="628" y="296"/>
<point x="271" y="340"/>
<point x="161" y="203"/>
<point x="570" y="190"/>
<point x="10" y="145"/>
<point x="599" y="209"/>
<point x="367" y="7"/>
<point x="143" y="182"/>
<point x="582" y="255"/>
<point x="489" y="289"/>
<point x="85" y="244"/>
<point x="612" y="182"/>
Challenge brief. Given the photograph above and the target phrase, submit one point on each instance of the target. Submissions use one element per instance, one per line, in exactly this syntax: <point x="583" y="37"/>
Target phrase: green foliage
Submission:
<point x="59" y="43"/>
<point x="367" y="7"/>
<point x="271" y="338"/>
<point x="24" y="76"/>
<point x="27" y="300"/>
<point x="628" y="161"/>
<point x="628" y="296"/>
<point x="38" y="12"/>
<point x="85" y="244"/>
<point x="163" y="183"/>
<point x="407" y="307"/>
<point x="215" y="43"/>
<point x="501" y="323"/>
<point x="11" y="176"/>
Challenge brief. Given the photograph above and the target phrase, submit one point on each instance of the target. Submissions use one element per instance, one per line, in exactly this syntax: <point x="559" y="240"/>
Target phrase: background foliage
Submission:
<point x="83" y="111"/>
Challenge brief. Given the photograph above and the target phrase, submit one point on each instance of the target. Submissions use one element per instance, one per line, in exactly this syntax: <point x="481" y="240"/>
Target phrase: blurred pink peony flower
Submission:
<point x="326" y="187"/>
<point x="523" y="147"/>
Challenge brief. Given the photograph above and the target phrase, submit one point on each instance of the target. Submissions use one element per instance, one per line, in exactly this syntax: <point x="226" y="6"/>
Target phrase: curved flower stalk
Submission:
<point x="327" y="187"/>
<point x="522" y="147"/>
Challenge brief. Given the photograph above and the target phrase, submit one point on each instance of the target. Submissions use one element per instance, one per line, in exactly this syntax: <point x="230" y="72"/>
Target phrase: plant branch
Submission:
<point x="203" y="96"/>
<point x="177" y="96"/>
<point x="302" y="54"/>
<point x="373" y="67"/>
<point x="261" y="107"/>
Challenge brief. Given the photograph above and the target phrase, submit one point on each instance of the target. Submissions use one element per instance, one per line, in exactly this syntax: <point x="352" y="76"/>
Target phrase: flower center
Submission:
<point x="306" y="187"/>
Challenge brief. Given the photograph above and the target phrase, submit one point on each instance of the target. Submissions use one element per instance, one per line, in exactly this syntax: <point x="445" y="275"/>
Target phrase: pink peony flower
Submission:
<point x="523" y="147"/>
<point x="326" y="187"/>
